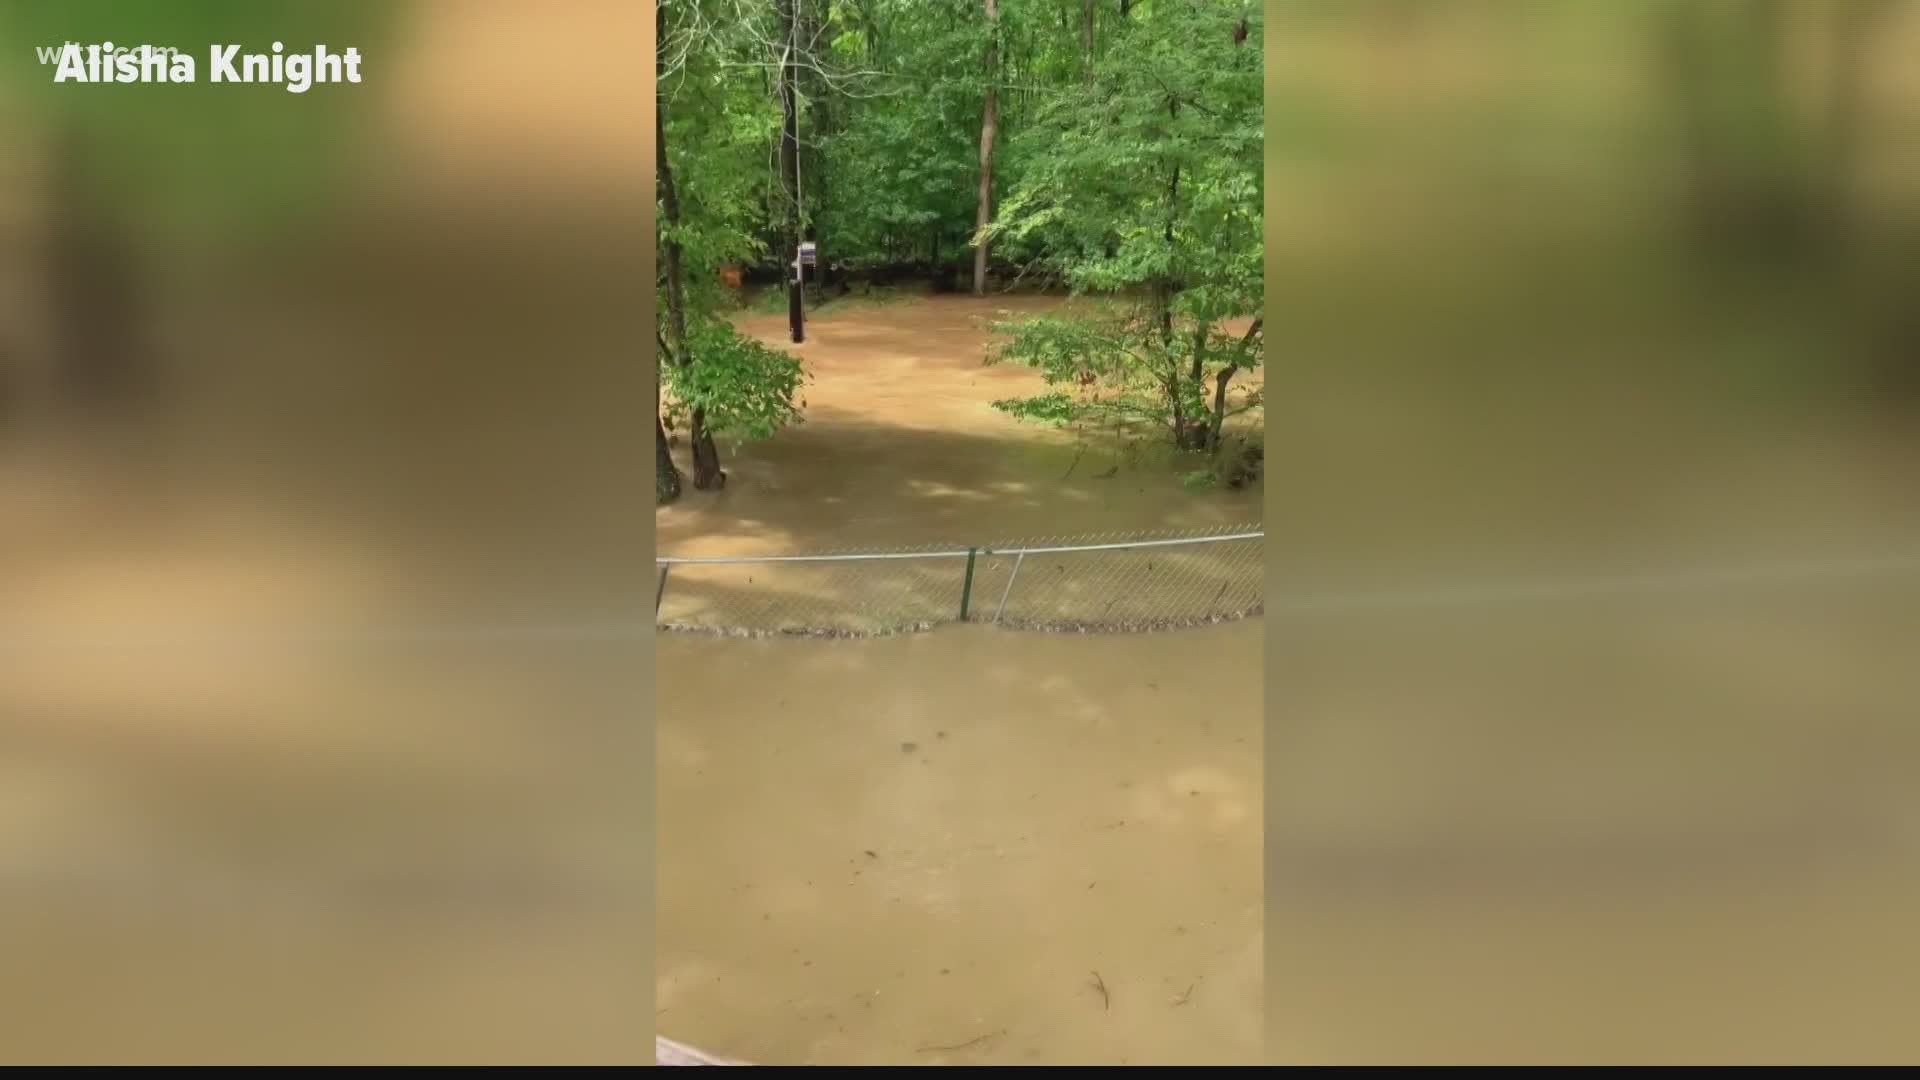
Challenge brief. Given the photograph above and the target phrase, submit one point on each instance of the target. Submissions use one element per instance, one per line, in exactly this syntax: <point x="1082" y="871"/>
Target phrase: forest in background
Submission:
<point x="1107" y="147"/>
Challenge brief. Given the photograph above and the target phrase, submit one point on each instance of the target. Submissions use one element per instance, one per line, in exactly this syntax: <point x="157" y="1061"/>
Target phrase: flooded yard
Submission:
<point x="901" y="445"/>
<point x="973" y="846"/>
<point x="976" y="845"/>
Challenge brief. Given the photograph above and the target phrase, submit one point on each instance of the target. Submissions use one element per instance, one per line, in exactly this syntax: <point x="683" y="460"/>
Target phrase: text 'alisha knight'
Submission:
<point x="106" y="63"/>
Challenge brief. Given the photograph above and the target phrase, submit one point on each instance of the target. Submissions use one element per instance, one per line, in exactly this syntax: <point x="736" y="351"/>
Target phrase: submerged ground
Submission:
<point x="974" y="845"/>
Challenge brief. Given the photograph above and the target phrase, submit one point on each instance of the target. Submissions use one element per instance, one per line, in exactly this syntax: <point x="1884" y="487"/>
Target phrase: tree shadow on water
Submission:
<point x="858" y="485"/>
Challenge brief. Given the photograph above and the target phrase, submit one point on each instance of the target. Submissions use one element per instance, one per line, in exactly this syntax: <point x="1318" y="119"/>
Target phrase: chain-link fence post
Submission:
<point x="1008" y="591"/>
<point x="966" y="587"/>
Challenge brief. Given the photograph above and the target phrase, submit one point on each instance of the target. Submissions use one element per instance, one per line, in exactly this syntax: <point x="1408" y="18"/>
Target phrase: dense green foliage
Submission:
<point x="743" y="389"/>
<point x="899" y="160"/>
<point x="1115" y="146"/>
<point x="1146" y="182"/>
<point x="890" y="95"/>
<point x="710" y="95"/>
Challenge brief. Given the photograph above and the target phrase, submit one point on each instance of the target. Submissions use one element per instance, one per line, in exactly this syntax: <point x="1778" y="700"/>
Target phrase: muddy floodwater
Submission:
<point x="901" y="444"/>
<point x="972" y="846"/>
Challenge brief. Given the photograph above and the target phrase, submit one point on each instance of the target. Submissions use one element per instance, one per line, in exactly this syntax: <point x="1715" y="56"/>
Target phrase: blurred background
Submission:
<point x="323" y="730"/>
<point x="1596" y="444"/>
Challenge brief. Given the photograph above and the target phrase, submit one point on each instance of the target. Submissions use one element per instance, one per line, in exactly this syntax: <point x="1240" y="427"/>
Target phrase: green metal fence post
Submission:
<point x="966" y="588"/>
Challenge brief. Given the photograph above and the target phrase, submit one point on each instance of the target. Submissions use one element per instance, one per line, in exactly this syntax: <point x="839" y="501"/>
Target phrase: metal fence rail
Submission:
<point x="1086" y="584"/>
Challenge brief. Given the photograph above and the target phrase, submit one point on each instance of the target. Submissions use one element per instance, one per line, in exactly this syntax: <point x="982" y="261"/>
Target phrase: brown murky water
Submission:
<point x="940" y="848"/>
<point x="901" y="445"/>
<point x="972" y="846"/>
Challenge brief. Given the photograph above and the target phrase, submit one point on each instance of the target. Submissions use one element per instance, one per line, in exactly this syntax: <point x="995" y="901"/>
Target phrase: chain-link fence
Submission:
<point x="1088" y="583"/>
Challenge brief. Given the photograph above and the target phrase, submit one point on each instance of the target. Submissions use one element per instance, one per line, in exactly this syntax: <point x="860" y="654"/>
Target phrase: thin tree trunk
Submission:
<point x="1086" y="36"/>
<point x="707" y="474"/>
<point x="1195" y="438"/>
<point x="789" y="122"/>
<point x="671" y="252"/>
<point x="1169" y="284"/>
<point x="989" y="126"/>
<point x="1220" y="389"/>
<point x="1164" y="287"/>
<point x="666" y="475"/>
<point x="1219" y="407"/>
<point x="790" y="158"/>
<point x="809" y="21"/>
<point x="1179" y="408"/>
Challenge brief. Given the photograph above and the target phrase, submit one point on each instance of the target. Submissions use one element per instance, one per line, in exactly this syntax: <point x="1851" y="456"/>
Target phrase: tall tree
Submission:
<point x="1149" y="184"/>
<point x="989" y="127"/>
<point x="706" y="457"/>
<point x="673" y="347"/>
<point x="788" y="89"/>
<point x="718" y="381"/>
<point x="814" y="88"/>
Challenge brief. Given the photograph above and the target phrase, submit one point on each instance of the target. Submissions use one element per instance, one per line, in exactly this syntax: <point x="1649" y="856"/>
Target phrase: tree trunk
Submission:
<point x="1195" y="437"/>
<point x="707" y="474"/>
<point x="1220" y="389"/>
<point x="1169" y="285"/>
<point x="790" y="159"/>
<point x="706" y="457"/>
<point x="1178" y="402"/>
<point x="672" y="261"/>
<point x="1086" y="36"/>
<point x="788" y="88"/>
<point x="666" y="475"/>
<point x="1165" y="287"/>
<point x="1219" y="407"/>
<point x="809" y="19"/>
<point x="989" y="126"/>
